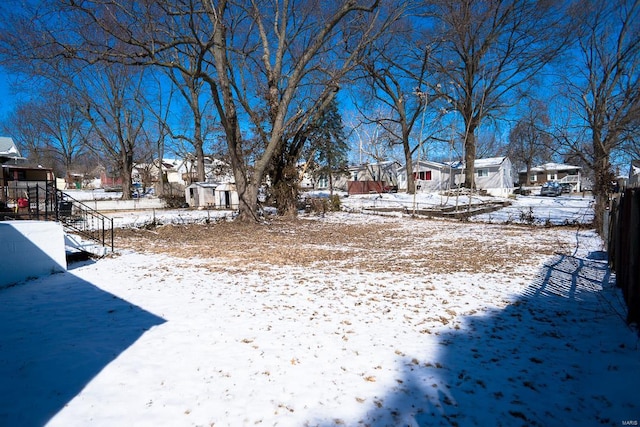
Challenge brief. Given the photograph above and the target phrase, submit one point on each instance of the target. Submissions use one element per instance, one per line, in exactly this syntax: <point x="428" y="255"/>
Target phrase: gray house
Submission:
<point x="9" y="152"/>
<point x="492" y="175"/>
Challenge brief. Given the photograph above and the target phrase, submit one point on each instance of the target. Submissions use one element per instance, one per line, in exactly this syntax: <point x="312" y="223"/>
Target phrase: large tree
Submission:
<point x="111" y="106"/>
<point x="529" y="139"/>
<point x="484" y="52"/>
<point x="604" y="88"/>
<point x="274" y="63"/>
<point x="395" y="75"/>
<point x="329" y="149"/>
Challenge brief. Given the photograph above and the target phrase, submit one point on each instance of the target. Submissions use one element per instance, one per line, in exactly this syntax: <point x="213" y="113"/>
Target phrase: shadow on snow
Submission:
<point x="535" y="362"/>
<point x="54" y="339"/>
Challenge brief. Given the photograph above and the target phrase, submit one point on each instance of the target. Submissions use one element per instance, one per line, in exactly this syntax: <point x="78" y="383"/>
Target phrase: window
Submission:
<point x="323" y="182"/>
<point x="483" y="172"/>
<point x="533" y="178"/>
<point x="423" y="175"/>
<point x="552" y="176"/>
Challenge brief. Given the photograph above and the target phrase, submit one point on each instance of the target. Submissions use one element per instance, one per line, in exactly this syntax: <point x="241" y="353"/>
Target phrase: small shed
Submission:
<point x="212" y="195"/>
<point x="226" y="196"/>
<point x="201" y="195"/>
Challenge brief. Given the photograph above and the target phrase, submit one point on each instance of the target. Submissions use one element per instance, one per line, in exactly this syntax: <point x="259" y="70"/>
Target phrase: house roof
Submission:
<point x="425" y="163"/>
<point x="479" y="163"/>
<point x="383" y="165"/>
<point x="8" y="147"/>
<point x="204" y="185"/>
<point x="489" y="162"/>
<point x="557" y="167"/>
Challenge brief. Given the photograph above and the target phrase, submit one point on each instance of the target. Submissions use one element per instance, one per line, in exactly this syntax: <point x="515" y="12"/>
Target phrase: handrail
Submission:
<point x="84" y="220"/>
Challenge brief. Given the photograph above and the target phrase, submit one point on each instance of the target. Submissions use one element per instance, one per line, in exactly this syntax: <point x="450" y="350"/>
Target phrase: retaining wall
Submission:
<point x="30" y="249"/>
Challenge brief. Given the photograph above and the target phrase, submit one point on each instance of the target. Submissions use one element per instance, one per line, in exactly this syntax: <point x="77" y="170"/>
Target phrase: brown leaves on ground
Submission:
<point x="391" y="245"/>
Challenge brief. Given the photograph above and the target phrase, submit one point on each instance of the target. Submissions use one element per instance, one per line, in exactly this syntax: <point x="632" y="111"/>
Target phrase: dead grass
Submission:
<point x="392" y="246"/>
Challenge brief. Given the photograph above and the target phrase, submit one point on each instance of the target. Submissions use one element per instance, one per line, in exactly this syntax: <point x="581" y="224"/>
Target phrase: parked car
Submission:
<point x="551" y="188"/>
<point x="566" y="187"/>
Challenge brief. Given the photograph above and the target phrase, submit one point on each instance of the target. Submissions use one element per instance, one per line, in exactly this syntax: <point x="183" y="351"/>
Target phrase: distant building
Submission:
<point x="558" y="172"/>
<point x="9" y="153"/>
<point x="492" y="175"/>
<point x="634" y="174"/>
<point x="373" y="177"/>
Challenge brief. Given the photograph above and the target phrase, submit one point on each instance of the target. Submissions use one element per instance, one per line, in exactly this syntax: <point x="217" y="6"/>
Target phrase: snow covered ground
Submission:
<point x="155" y="339"/>
<point x="533" y="210"/>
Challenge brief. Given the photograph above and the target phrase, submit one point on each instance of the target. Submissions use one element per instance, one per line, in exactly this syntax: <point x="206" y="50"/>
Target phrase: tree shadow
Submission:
<point x="533" y="363"/>
<point x="55" y="336"/>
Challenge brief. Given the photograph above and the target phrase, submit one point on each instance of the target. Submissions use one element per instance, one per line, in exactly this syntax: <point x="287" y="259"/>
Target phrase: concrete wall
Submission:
<point x="30" y="249"/>
<point x="124" y="205"/>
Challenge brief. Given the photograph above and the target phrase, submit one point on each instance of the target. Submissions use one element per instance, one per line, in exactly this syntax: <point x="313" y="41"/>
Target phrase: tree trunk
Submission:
<point x="284" y="187"/>
<point x="247" y="196"/>
<point x="603" y="177"/>
<point x="199" y="157"/>
<point x="411" y="182"/>
<point x="126" y="174"/>
<point x="469" y="159"/>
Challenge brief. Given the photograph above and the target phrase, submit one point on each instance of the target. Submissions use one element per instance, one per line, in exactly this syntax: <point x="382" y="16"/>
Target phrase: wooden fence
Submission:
<point x="624" y="249"/>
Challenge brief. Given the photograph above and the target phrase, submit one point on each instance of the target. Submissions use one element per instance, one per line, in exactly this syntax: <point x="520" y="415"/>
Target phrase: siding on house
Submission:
<point x="493" y="175"/>
<point x="551" y="172"/>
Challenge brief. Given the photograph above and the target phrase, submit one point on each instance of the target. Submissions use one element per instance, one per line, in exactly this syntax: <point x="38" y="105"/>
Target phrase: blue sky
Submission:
<point x="7" y="99"/>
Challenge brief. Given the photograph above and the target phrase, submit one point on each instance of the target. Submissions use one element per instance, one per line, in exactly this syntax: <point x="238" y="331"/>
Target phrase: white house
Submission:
<point x="429" y="176"/>
<point x="493" y="175"/>
<point x="9" y="151"/>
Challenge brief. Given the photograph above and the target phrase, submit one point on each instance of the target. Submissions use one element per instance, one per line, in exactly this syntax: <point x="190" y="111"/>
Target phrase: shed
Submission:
<point x="212" y="195"/>
<point x="226" y="196"/>
<point x="201" y="194"/>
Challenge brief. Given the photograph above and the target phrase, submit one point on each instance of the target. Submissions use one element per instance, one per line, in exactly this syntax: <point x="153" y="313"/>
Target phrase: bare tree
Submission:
<point x="50" y="128"/>
<point x="605" y="87"/>
<point x="395" y="75"/>
<point x="274" y="62"/>
<point x="484" y="52"/>
<point x="24" y="126"/>
<point x="117" y="119"/>
<point x="529" y="138"/>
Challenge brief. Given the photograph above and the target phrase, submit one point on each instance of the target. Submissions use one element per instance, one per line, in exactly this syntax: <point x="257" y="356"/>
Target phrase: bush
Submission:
<point x="335" y="203"/>
<point x="173" y="201"/>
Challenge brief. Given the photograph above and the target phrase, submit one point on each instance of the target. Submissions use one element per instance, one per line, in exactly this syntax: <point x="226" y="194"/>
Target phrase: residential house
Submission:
<point x="373" y="177"/>
<point x="559" y="172"/>
<point x="492" y="175"/>
<point x="429" y="176"/>
<point x="634" y="174"/>
<point x="9" y="152"/>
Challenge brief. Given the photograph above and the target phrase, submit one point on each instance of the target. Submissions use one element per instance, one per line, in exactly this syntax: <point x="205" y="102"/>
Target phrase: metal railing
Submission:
<point x="83" y="220"/>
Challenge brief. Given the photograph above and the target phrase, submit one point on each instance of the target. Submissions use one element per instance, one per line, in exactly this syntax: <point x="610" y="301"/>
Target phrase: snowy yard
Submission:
<point x="342" y="319"/>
